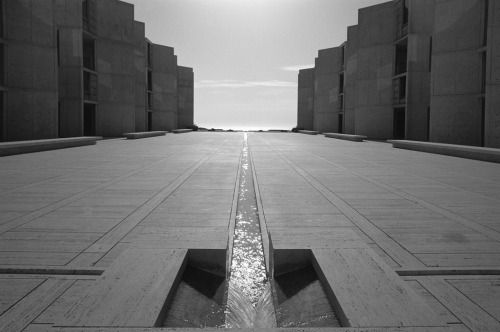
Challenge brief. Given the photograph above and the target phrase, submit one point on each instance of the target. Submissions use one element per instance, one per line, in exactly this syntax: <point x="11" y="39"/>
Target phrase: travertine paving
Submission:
<point x="75" y="224"/>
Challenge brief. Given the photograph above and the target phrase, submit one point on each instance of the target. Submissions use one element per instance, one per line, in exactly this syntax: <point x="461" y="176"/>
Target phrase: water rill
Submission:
<point x="233" y="289"/>
<point x="249" y="300"/>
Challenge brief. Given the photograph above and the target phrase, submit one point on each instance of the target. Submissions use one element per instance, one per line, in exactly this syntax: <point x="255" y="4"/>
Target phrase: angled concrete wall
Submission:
<point x="30" y="77"/>
<point x="140" y="73"/>
<point x="351" y="75"/>
<point x="456" y="72"/>
<point x="164" y="88"/>
<point x="374" y="111"/>
<point x="492" y="96"/>
<point x="420" y="25"/>
<point x="305" y="104"/>
<point x="115" y="63"/>
<point x="326" y="88"/>
<point x="185" y="97"/>
<point x="68" y="20"/>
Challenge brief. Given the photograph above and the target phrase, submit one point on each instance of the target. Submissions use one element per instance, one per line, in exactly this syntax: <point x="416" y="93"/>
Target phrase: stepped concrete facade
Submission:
<point x="85" y="65"/>
<point x="326" y="89"/>
<point x="420" y="70"/>
<point x="464" y="73"/>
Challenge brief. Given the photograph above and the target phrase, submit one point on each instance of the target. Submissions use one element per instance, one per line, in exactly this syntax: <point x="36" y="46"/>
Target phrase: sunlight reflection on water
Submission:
<point x="248" y="271"/>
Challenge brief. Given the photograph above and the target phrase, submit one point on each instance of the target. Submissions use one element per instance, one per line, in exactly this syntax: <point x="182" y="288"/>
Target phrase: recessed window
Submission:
<point x="2" y="69"/>
<point x="405" y="12"/>
<point x="85" y="14"/>
<point x="401" y="58"/>
<point x="89" y="54"/>
<point x="150" y="55"/>
<point x="89" y="86"/>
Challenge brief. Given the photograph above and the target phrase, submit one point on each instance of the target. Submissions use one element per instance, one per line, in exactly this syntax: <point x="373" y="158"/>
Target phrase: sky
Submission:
<point x="246" y="53"/>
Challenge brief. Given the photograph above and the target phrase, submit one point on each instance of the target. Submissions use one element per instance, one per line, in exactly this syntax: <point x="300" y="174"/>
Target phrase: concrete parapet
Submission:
<point x="355" y="138"/>
<point x="21" y="147"/>
<point x="144" y="134"/>
<point x="461" y="151"/>
<point x="309" y="132"/>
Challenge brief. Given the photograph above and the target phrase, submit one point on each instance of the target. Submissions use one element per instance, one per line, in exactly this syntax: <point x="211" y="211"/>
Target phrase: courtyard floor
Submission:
<point x="405" y="239"/>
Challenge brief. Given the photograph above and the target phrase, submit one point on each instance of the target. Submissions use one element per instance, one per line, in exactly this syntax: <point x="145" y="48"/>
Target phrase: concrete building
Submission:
<point x="411" y="80"/>
<point x="28" y="77"/>
<point x="83" y="67"/>
<point x="374" y="105"/>
<point x="465" y="76"/>
<point x="327" y="111"/>
<point x="185" y="97"/>
<point x="141" y="71"/>
<point x="419" y="70"/>
<point x="350" y="79"/>
<point x="305" y="105"/>
<point x="114" y="49"/>
<point x="162" y="87"/>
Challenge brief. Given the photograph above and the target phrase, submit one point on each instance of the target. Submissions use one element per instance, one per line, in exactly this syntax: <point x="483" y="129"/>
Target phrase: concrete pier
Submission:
<point x="96" y="237"/>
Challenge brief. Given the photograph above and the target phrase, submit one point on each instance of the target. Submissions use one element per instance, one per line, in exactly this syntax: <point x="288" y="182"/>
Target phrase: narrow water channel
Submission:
<point x="249" y="302"/>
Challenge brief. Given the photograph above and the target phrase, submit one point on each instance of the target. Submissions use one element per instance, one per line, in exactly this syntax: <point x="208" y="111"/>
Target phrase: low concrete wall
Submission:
<point x="462" y="151"/>
<point x="355" y="138"/>
<point x="144" y="134"/>
<point x="309" y="132"/>
<point x="21" y="147"/>
<point x="181" y="131"/>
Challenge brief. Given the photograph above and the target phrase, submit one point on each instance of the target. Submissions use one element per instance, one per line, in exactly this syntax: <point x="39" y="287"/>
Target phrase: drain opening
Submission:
<point x="299" y="293"/>
<point x="200" y="294"/>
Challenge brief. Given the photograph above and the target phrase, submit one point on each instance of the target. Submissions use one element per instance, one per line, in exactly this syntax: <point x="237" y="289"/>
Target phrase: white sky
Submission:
<point x="245" y="53"/>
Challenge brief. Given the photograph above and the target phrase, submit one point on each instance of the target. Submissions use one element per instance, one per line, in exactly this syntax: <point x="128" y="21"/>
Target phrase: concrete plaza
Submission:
<point x="405" y="224"/>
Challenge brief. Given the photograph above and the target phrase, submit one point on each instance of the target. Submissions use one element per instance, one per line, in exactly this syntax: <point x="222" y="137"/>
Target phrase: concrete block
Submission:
<point x="354" y="138"/>
<point x="22" y="147"/>
<point x="461" y="151"/>
<point x="309" y="132"/>
<point x="181" y="131"/>
<point x="145" y="134"/>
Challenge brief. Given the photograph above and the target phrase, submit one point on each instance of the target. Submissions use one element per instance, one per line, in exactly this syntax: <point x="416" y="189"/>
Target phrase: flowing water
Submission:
<point x="249" y="302"/>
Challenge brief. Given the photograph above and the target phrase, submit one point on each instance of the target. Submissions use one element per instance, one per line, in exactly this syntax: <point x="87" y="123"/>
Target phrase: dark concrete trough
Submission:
<point x="21" y="147"/>
<point x="462" y="151"/>
<point x="355" y="138"/>
<point x="144" y="134"/>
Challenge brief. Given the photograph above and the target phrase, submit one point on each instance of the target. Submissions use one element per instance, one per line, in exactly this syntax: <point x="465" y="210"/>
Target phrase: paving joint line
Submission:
<point x="61" y="176"/>
<point x="486" y="231"/>
<point x="400" y="255"/>
<point x="16" y="222"/>
<point x="127" y="225"/>
<point x="393" y="249"/>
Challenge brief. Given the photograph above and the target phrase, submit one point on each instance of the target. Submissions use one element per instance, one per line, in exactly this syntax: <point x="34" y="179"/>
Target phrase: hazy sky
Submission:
<point x="246" y="53"/>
